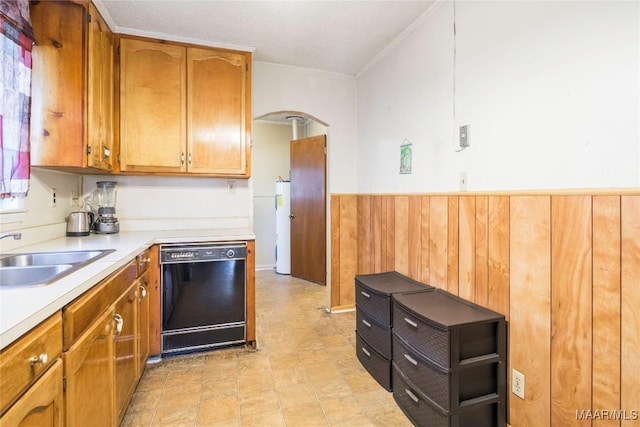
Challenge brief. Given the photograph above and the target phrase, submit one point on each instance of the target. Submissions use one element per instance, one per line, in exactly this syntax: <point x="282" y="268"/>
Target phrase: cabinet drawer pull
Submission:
<point x="43" y="358"/>
<point x="119" y="323"/>
<point x="367" y="324"/>
<point x="411" y="395"/>
<point x="364" y="294"/>
<point x="411" y="359"/>
<point x="365" y="351"/>
<point x="143" y="292"/>
<point x="411" y="322"/>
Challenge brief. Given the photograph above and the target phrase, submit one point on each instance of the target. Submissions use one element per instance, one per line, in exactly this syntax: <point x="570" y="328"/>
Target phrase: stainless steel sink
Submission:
<point x="50" y="258"/>
<point x="31" y="276"/>
<point x="43" y="268"/>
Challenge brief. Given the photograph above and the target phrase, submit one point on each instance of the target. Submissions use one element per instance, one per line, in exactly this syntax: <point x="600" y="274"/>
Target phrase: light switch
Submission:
<point x="464" y="136"/>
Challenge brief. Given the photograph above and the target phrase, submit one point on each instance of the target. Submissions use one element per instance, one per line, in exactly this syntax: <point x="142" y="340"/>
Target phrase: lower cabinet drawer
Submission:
<point x="447" y="388"/>
<point x="375" y="335"/>
<point x="25" y="360"/>
<point x="483" y="412"/>
<point x="378" y="366"/>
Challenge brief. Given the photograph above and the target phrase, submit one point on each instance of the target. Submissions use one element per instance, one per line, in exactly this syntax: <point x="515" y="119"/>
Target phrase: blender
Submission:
<point x="104" y="199"/>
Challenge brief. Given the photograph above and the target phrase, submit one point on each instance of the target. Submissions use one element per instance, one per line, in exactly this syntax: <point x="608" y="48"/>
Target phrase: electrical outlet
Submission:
<point x="517" y="384"/>
<point x="53" y="201"/>
<point x="231" y="187"/>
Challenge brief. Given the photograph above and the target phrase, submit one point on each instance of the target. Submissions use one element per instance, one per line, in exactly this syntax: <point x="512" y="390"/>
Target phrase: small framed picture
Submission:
<point x="405" y="158"/>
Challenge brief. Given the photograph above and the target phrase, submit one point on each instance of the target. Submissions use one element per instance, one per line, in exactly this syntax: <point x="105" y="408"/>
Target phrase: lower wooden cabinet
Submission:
<point x="143" y="322"/>
<point x="126" y="363"/>
<point x="89" y="370"/>
<point x="26" y="360"/>
<point x="80" y="367"/>
<point x="41" y="405"/>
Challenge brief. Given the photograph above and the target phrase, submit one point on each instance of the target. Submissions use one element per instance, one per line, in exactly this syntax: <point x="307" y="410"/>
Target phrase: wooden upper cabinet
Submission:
<point x="152" y="106"/>
<point x="217" y="111"/>
<point x="184" y="109"/>
<point x="72" y="96"/>
<point x="100" y="93"/>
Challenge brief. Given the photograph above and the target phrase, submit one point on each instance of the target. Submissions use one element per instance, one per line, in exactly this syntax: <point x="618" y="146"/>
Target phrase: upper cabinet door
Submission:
<point x="100" y="93"/>
<point x="58" y="84"/>
<point x="152" y="107"/>
<point x="218" y="114"/>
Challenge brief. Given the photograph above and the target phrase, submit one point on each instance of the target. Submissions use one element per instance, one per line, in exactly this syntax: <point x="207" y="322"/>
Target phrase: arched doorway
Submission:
<point x="271" y="161"/>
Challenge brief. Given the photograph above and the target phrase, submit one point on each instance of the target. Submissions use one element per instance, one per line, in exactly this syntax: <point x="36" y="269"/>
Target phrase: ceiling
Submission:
<point x="331" y="35"/>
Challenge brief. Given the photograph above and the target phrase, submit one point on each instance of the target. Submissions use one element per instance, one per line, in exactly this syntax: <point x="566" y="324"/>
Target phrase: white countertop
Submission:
<point x="23" y="308"/>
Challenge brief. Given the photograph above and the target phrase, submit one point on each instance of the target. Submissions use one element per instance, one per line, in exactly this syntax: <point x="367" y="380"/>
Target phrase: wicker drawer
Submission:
<point x="449" y="389"/>
<point x="378" y="366"/>
<point x="375" y="335"/>
<point x="487" y="411"/>
<point x="447" y="330"/>
<point x="373" y="293"/>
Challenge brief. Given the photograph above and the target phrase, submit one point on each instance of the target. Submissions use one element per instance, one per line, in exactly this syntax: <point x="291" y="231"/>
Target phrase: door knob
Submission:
<point x="291" y="216"/>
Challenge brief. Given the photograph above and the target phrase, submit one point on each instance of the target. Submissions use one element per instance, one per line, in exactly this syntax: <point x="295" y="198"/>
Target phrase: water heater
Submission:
<point x="283" y="227"/>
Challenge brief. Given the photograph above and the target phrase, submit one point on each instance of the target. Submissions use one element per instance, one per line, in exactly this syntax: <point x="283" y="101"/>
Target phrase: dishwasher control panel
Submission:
<point x="193" y="253"/>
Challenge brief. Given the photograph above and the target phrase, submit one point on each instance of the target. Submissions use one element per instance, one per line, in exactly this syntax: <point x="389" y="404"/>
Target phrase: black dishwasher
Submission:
<point x="203" y="296"/>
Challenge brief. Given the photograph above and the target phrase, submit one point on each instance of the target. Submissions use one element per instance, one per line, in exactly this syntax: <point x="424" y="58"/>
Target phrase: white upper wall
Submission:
<point x="550" y="91"/>
<point x="330" y="97"/>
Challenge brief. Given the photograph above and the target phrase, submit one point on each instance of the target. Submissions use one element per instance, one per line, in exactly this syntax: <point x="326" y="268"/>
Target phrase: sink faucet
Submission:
<point x="16" y="236"/>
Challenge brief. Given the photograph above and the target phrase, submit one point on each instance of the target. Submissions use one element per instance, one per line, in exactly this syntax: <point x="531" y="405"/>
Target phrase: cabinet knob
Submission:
<point x="143" y="292"/>
<point x="119" y="323"/>
<point x="42" y="359"/>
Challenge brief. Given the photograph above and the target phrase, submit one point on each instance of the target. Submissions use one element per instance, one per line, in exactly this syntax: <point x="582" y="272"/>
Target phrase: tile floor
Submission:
<point x="304" y="373"/>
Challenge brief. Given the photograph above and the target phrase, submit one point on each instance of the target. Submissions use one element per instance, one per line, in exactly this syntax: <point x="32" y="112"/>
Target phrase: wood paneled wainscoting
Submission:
<point x="564" y="267"/>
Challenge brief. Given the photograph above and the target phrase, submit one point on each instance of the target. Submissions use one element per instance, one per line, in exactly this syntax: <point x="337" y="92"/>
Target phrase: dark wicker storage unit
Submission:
<point x="449" y="361"/>
<point x="374" y="320"/>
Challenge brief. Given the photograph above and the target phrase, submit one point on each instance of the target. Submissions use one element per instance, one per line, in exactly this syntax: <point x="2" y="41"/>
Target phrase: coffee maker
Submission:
<point x="103" y="198"/>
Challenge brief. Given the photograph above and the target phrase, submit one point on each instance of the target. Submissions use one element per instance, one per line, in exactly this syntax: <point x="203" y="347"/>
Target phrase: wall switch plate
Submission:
<point x="74" y="199"/>
<point x="464" y="136"/>
<point x="231" y="187"/>
<point x="517" y="384"/>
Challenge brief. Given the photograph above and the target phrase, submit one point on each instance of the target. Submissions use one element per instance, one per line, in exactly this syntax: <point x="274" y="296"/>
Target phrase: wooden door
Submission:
<point x="152" y="106"/>
<point x="308" y="208"/>
<point x="88" y="367"/>
<point x="58" y="84"/>
<point x="100" y="93"/>
<point x="41" y="405"/>
<point x="143" y="322"/>
<point x="126" y="364"/>
<point x="218" y="108"/>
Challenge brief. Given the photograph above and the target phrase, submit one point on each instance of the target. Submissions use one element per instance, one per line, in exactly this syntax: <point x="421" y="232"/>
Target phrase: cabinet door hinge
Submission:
<point x="64" y="384"/>
<point x="246" y="67"/>
<point x="88" y="149"/>
<point x="118" y="50"/>
<point x="118" y="157"/>
<point x="88" y="17"/>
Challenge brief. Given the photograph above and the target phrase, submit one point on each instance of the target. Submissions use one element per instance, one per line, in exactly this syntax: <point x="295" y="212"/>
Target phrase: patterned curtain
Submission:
<point x="16" y="41"/>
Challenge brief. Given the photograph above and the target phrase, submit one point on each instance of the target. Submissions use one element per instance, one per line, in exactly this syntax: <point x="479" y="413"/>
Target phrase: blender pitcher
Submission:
<point x="103" y="199"/>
